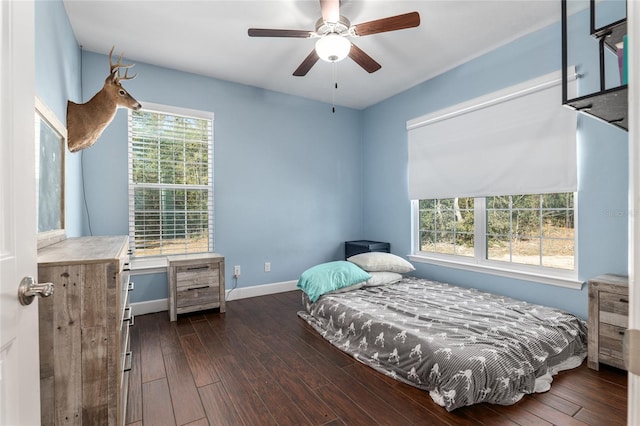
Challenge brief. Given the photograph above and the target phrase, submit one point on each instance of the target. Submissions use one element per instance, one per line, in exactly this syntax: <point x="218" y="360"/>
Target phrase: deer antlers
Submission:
<point x="114" y="69"/>
<point x="86" y="122"/>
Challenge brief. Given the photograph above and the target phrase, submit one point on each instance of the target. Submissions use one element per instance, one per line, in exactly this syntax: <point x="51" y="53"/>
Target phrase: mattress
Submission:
<point x="462" y="345"/>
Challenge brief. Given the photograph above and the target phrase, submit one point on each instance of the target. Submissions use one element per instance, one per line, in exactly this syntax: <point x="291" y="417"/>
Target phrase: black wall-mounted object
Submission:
<point x="351" y="248"/>
<point x="610" y="105"/>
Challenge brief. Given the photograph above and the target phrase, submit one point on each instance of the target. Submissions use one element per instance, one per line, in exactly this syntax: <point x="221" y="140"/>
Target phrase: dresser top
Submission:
<point x="84" y="250"/>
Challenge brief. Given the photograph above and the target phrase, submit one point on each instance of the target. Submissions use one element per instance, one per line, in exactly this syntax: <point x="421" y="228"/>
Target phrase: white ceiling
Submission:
<point x="210" y="38"/>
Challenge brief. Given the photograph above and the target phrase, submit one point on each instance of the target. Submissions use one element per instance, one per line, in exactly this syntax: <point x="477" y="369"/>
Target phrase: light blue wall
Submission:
<point x="57" y="59"/>
<point x="287" y="177"/>
<point x="149" y="287"/>
<point x="293" y="181"/>
<point x="602" y="163"/>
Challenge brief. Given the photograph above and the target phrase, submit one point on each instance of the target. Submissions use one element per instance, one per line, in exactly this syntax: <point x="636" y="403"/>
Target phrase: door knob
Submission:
<point x="29" y="289"/>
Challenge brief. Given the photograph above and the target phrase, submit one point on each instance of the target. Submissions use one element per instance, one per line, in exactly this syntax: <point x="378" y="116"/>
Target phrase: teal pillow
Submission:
<point x="331" y="276"/>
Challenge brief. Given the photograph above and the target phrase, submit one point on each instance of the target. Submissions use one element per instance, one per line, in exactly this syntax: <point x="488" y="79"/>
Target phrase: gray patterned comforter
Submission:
<point x="462" y="345"/>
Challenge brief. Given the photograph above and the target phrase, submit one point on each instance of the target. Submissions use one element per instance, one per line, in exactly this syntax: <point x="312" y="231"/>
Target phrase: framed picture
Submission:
<point x="51" y="142"/>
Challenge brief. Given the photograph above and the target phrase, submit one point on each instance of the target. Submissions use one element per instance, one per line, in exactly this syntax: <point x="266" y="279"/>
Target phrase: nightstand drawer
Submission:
<point x="614" y="309"/>
<point x="610" y="345"/>
<point x="193" y="276"/>
<point x="610" y="339"/>
<point x="197" y="295"/>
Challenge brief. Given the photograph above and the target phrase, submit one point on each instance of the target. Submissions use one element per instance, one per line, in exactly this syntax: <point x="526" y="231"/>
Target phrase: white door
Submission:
<point x="19" y="358"/>
<point x="633" y="27"/>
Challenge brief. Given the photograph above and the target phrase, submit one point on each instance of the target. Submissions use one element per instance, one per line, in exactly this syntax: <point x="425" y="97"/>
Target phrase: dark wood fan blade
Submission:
<point x="306" y="65"/>
<point x="364" y="60"/>
<point x="392" y="23"/>
<point x="266" y="32"/>
<point x="330" y="10"/>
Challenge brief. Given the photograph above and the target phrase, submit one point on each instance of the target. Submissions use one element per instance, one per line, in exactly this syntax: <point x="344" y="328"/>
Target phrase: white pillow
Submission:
<point x="382" y="278"/>
<point x="380" y="262"/>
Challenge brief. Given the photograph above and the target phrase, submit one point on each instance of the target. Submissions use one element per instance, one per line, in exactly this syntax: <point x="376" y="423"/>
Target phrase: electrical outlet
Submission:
<point x="236" y="271"/>
<point x="267" y="266"/>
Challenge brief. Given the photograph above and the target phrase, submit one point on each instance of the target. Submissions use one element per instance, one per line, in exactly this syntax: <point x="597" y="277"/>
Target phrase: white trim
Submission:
<point x="633" y="31"/>
<point x="170" y="109"/>
<point x="160" y="305"/>
<point x="513" y="92"/>
<point x="260" y="290"/>
<point x="487" y="268"/>
<point x="149" y="306"/>
<point x="148" y="265"/>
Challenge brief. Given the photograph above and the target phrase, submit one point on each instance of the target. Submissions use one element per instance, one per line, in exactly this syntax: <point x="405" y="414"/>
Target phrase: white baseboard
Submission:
<point x="159" y="305"/>
<point x="150" y="306"/>
<point x="260" y="290"/>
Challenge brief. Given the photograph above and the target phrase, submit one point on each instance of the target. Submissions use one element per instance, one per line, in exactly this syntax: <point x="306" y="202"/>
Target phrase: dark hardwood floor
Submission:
<point x="260" y="364"/>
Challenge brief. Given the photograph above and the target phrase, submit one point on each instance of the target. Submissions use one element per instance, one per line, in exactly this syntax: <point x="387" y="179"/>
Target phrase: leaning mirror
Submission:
<point x="51" y="140"/>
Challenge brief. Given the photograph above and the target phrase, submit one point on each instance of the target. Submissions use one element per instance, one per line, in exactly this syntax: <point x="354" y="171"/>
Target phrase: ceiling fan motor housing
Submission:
<point x="341" y="27"/>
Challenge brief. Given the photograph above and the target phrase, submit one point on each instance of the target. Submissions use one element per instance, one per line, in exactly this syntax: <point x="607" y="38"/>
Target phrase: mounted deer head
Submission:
<point x="86" y="122"/>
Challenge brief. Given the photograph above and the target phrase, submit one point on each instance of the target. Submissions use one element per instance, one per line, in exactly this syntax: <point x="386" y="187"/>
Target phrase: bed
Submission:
<point x="461" y="345"/>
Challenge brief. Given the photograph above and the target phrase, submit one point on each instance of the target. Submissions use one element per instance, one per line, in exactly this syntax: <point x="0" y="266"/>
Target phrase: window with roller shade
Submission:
<point x="494" y="181"/>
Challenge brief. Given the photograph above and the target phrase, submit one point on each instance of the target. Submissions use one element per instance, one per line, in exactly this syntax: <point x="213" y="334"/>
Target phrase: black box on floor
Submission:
<point x="351" y="248"/>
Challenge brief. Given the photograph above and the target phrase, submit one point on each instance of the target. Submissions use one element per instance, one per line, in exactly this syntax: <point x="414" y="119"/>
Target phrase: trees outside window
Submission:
<point x="537" y="230"/>
<point x="170" y="181"/>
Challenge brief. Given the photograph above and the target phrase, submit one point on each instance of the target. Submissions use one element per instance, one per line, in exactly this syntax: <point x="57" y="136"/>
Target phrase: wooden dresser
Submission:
<point x="196" y="282"/>
<point x="608" y="320"/>
<point x="84" y="331"/>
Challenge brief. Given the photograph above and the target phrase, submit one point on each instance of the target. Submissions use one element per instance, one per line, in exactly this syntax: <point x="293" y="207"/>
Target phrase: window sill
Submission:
<point x="148" y="265"/>
<point x="567" y="281"/>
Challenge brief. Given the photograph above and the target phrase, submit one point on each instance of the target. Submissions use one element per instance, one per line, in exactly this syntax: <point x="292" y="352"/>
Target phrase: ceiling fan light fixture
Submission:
<point x="333" y="47"/>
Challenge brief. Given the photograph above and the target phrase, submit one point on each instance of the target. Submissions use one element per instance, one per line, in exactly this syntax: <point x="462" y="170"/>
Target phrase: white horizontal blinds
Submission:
<point x="520" y="140"/>
<point x="170" y="183"/>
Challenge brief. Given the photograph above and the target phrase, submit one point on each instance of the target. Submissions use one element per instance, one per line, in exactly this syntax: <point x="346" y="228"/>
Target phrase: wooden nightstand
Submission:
<point x="196" y="283"/>
<point x="608" y="319"/>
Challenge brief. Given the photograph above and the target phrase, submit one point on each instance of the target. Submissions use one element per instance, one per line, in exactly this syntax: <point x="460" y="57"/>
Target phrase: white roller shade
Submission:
<point x="519" y="140"/>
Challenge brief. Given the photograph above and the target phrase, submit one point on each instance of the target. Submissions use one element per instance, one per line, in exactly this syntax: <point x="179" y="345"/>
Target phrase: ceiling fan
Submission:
<point x="332" y="31"/>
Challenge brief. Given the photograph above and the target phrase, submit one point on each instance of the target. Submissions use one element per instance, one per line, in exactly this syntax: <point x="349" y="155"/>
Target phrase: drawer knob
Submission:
<point x="624" y="300"/>
<point x="127" y="361"/>
<point x="128" y="316"/>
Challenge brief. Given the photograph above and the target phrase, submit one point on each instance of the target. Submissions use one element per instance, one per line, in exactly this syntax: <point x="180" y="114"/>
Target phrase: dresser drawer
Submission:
<point x="124" y="346"/>
<point x="197" y="295"/>
<point x="614" y="309"/>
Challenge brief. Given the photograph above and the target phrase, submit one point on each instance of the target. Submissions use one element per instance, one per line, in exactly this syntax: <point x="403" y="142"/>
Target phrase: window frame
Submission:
<point x="479" y="262"/>
<point x="155" y="262"/>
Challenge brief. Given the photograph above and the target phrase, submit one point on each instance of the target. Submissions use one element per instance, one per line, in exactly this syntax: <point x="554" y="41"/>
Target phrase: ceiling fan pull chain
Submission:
<point x="334" y="73"/>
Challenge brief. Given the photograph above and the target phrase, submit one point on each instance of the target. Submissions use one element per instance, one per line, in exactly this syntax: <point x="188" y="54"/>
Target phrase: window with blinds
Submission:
<point x="170" y="181"/>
